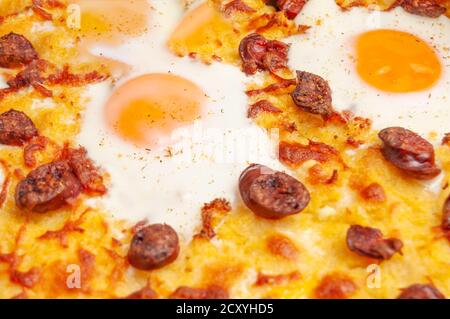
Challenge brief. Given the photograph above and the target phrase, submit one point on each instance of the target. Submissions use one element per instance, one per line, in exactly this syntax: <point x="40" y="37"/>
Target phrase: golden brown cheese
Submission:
<point x="303" y="255"/>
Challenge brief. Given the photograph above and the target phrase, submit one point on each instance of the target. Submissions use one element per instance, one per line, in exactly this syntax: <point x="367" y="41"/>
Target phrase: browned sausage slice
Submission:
<point x="421" y="291"/>
<point x="312" y="94"/>
<point x="31" y="75"/>
<point x="369" y="242"/>
<point x="153" y="247"/>
<point x="262" y="106"/>
<point x="259" y="54"/>
<point x="16" y="128"/>
<point x="16" y="50"/>
<point x="428" y="8"/>
<point x="47" y="187"/>
<point x="291" y="8"/>
<point x="86" y="171"/>
<point x="409" y="152"/>
<point x="271" y="194"/>
<point x="237" y="6"/>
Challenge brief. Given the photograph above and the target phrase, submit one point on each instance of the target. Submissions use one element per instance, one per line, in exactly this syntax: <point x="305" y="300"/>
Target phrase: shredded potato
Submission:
<point x="248" y="256"/>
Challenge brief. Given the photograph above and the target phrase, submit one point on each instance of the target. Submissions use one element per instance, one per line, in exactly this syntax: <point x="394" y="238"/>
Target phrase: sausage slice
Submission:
<point x="271" y="194"/>
<point x="409" y="152"/>
<point x="153" y="247"/>
<point x="312" y="94"/>
<point x="428" y="8"/>
<point x="15" y="51"/>
<point x="47" y="187"/>
<point x="31" y="75"/>
<point x="369" y="242"/>
<point x="259" y="54"/>
<point x="86" y="171"/>
<point x="421" y="291"/>
<point x="291" y="8"/>
<point x="16" y="128"/>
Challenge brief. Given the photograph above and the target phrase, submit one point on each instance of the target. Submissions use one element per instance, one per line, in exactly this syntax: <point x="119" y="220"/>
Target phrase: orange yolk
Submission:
<point x="111" y="21"/>
<point x="146" y="109"/>
<point x="395" y="61"/>
<point x="204" y="31"/>
<point x="193" y="23"/>
<point x="108" y="22"/>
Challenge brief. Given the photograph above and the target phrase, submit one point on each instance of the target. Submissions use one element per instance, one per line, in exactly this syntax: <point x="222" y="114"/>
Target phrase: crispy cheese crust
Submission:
<point x="236" y="253"/>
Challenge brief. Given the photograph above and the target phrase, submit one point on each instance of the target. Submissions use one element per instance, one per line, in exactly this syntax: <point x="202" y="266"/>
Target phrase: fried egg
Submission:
<point x="172" y="133"/>
<point x="391" y="67"/>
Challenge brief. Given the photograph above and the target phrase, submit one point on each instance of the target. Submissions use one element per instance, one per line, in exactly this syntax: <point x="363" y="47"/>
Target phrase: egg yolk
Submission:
<point x="107" y="22"/>
<point x="192" y="24"/>
<point x="205" y="32"/>
<point x="145" y="110"/>
<point x="395" y="61"/>
<point x="111" y="21"/>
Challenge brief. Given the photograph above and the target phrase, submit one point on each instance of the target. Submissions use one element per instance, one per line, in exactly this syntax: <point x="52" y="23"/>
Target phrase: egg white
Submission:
<point x="328" y="50"/>
<point x="203" y="161"/>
